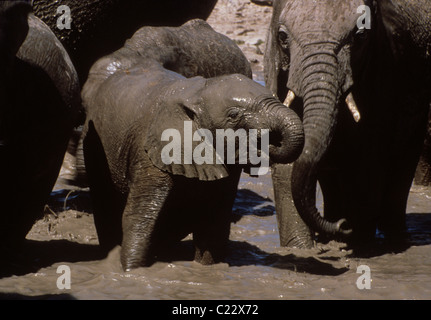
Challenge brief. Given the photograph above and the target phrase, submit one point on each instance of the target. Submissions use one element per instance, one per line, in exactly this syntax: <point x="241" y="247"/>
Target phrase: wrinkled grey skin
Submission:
<point x="137" y="92"/>
<point x="99" y="27"/>
<point x="39" y="102"/>
<point x="365" y="169"/>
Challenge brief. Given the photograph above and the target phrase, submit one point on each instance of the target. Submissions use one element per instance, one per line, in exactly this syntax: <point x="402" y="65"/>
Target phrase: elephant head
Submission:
<point x="228" y="102"/>
<point x="314" y="49"/>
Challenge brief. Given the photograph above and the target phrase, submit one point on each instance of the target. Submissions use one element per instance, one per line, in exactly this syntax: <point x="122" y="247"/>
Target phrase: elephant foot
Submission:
<point x="209" y="249"/>
<point x="136" y="254"/>
<point x="208" y="257"/>
<point x="294" y="233"/>
<point x="129" y="262"/>
<point x="297" y="239"/>
<point x="208" y="253"/>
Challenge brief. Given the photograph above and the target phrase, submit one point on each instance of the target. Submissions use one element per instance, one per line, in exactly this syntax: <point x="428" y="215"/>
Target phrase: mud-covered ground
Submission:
<point x="257" y="268"/>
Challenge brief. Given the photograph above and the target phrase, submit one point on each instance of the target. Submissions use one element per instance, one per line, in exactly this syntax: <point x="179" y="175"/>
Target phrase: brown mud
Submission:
<point x="256" y="266"/>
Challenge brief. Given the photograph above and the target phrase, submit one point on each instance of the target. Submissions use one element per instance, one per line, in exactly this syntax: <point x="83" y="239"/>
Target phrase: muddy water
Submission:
<point x="256" y="266"/>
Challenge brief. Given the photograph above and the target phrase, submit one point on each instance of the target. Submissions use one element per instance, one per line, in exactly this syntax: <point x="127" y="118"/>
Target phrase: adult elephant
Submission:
<point x="39" y="103"/>
<point x="325" y="59"/>
<point x="98" y="27"/>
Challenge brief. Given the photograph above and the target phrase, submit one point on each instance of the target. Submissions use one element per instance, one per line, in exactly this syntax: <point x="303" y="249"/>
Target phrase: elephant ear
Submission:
<point x="169" y="139"/>
<point x="407" y="25"/>
<point x="276" y="67"/>
<point x="392" y="22"/>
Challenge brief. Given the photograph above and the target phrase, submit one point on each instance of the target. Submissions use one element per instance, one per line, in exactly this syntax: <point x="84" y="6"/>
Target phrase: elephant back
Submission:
<point x="99" y="27"/>
<point x="193" y="49"/>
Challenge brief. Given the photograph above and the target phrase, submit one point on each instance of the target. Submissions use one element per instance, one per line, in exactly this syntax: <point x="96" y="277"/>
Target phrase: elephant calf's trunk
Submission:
<point x="286" y="131"/>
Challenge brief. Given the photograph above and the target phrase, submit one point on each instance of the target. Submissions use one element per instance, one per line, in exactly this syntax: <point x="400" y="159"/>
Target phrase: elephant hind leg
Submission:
<point x="211" y="235"/>
<point x="108" y="203"/>
<point x="211" y="241"/>
<point x="211" y="232"/>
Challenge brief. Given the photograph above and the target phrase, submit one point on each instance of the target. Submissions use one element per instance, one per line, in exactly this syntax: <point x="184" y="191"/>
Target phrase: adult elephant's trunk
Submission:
<point x="286" y="130"/>
<point x="321" y="91"/>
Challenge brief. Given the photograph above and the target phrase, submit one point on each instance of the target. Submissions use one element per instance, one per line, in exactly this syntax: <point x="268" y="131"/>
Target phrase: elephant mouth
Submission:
<point x="267" y="151"/>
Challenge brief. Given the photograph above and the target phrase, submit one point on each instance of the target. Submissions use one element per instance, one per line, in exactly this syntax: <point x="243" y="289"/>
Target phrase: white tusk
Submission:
<point x="350" y="101"/>
<point x="289" y="99"/>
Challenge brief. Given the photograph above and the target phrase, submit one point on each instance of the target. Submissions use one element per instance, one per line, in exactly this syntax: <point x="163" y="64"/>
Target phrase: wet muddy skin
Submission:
<point x="256" y="266"/>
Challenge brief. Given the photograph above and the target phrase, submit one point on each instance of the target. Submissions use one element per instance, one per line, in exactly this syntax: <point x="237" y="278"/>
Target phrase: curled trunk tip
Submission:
<point x="287" y="139"/>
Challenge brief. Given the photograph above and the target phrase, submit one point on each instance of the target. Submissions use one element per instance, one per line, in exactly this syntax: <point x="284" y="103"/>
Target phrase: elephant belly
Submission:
<point x="193" y="204"/>
<point x="189" y="204"/>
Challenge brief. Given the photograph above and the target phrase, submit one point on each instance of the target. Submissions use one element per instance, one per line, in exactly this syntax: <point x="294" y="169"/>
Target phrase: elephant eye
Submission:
<point x="190" y="113"/>
<point x="361" y="33"/>
<point x="233" y="114"/>
<point x="283" y="38"/>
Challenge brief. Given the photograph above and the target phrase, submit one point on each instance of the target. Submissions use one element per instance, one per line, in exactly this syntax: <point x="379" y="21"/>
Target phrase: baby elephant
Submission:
<point x="154" y="153"/>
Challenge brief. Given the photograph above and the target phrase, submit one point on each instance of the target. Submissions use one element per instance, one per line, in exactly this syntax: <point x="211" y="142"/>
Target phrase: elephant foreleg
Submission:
<point x="292" y="229"/>
<point x="145" y="205"/>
